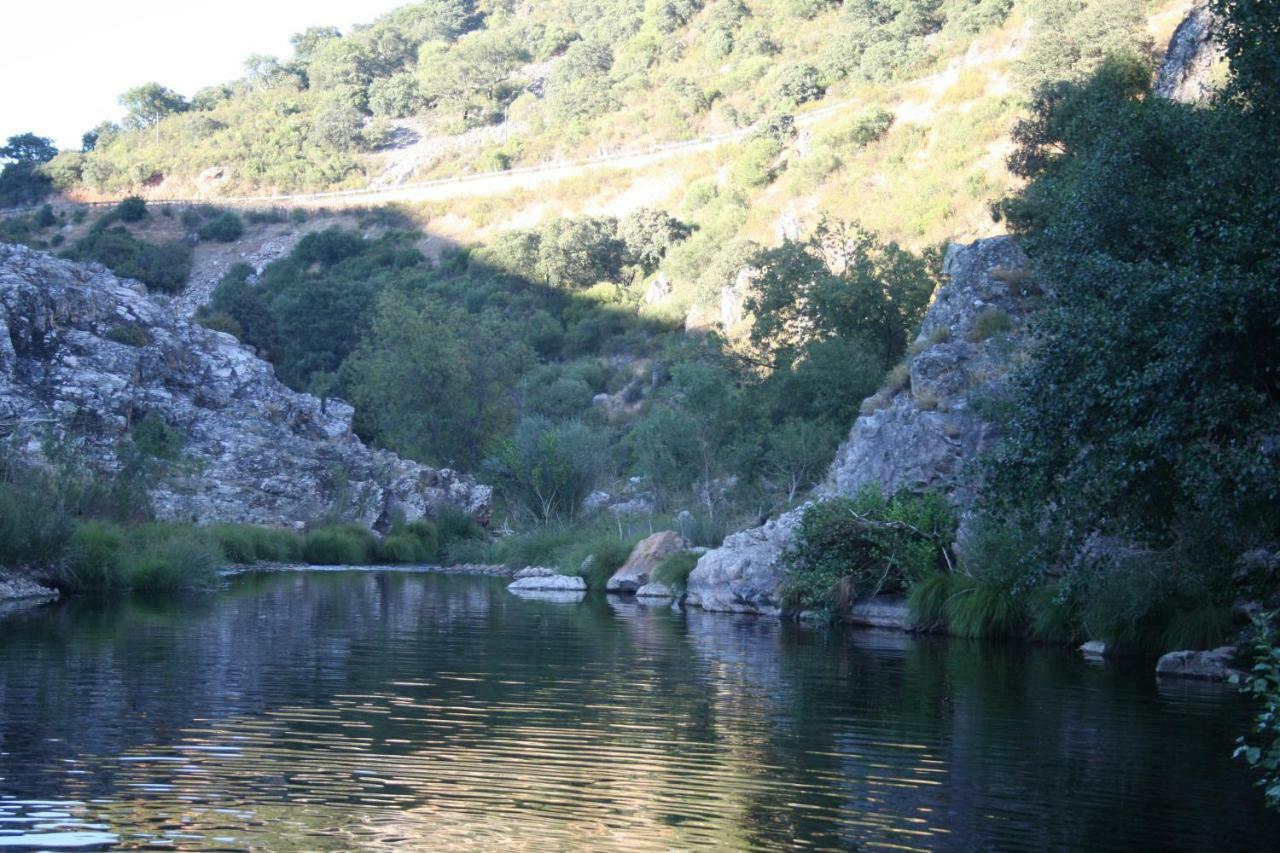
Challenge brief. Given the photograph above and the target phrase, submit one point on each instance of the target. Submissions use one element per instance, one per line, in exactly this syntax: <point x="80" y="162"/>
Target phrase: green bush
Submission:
<point x="597" y="558"/>
<point x="104" y="557"/>
<point x="975" y="610"/>
<point x="163" y="266"/>
<point x="454" y="525"/>
<point x="95" y="558"/>
<point x="226" y="227"/>
<point x="341" y="545"/>
<point x="414" y="542"/>
<point x="131" y="209"/>
<point x="846" y="548"/>
<point x="673" y="572"/>
<point x="927" y="599"/>
<point x="246" y="544"/>
<point x="1262" y="750"/>
<point x="171" y="557"/>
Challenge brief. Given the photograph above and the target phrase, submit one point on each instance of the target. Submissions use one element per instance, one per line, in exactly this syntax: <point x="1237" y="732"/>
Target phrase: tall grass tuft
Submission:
<point x="674" y="571"/>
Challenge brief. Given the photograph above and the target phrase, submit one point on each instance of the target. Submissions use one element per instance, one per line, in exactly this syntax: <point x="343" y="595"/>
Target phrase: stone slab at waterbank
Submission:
<point x="260" y="452"/>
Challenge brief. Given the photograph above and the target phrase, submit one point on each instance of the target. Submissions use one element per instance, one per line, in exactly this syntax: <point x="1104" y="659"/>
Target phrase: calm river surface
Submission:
<point x="367" y="710"/>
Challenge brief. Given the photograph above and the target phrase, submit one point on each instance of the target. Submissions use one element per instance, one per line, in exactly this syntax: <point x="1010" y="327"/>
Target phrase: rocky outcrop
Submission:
<point x="554" y="583"/>
<point x="644" y="558"/>
<point x="1212" y="665"/>
<point x="84" y="356"/>
<point x="1186" y="74"/>
<point x="743" y="575"/>
<point x="919" y="436"/>
<point x="17" y="587"/>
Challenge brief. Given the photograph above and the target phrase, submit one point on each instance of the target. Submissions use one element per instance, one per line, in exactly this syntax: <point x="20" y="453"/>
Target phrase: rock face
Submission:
<point x="645" y="557"/>
<point x="259" y="452"/>
<point x="921" y="438"/>
<point x="743" y="575"/>
<point x="1214" y="665"/>
<point x="1187" y="70"/>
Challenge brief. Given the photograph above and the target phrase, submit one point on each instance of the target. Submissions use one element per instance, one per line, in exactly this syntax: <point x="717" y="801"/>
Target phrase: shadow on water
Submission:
<point x="351" y="710"/>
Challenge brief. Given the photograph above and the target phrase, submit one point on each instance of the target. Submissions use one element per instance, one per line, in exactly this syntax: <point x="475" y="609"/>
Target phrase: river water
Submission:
<point x="353" y="710"/>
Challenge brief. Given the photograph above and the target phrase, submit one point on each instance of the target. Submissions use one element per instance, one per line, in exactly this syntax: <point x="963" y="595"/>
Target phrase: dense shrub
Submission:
<point x="249" y="543"/>
<point x="596" y="558"/>
<point x="673" y="572"/>
<point x="339" y="545"/>
<point x="1261" y="750"/>
<point x="413" y="542"/>
<point x="1142" y="420"/>
<point x="106" y="557"/>
<point x="164" y="267"/>
<point x="131" y="209"/>
<point x="847" y="548"/>
<point x="226" y="227"/>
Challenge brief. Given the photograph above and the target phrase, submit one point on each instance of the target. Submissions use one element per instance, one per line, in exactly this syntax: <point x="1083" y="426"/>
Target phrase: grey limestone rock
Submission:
<point x="257" y="451"/>
<point x="923" y="436"/>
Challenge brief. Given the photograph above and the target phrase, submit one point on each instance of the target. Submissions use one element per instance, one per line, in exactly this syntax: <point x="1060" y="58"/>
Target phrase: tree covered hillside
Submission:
<point x="557" y="79"/>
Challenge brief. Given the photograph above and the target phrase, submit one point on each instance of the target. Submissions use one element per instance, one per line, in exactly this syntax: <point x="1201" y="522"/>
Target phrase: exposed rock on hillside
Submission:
<point x="1186" y="74"/>
<point x="919" y="438"/>
<point x="85" y="355"/>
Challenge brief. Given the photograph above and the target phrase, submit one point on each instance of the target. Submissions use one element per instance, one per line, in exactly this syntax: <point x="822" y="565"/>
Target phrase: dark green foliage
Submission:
<point x="23" y="181"/>
<point x="928" y="597"/>
<point x="246" y="544"/>
<point x="339" y="545"/>
<point x="799" y="84"/>
<point x="596" y="558"/>
<point x="154" y="439"/>
<point x="1146" y="412"/>
<point x="847" y="548"/>
<point x="414" y="542"/>
<point x="226" y="227"/>
<point x="1262" y="749"/>
<point x="454" y="525"/>
<point x="164" y="267"/>
<point x="44" y="217"/>
<point x="840" y="283"/>
<point x="103" y="557"/>
<point x="129" y="334"/>
<point x="648" y="234"/>
<point x="546" y="469"/>
<point x="674" y="571"/>
<point x="131" y="209"/>
<point x="976" y="609"/>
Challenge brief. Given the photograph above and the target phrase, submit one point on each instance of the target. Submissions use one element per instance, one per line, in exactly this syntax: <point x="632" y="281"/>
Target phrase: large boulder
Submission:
<point x="1213" y="665"/>
<point x="555" y="583"/>
<point x="744" y="574"/>
<point x="645" y="557"/>
<point x="84" y="355"/>
<point x="920" y="436"/>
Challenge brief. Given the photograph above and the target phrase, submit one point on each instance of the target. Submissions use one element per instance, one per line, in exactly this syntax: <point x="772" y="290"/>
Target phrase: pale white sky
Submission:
<point x="63" y="63"/>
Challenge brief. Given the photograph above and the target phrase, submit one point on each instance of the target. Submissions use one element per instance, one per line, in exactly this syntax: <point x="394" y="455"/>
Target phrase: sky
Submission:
<point x="63" y="63"/>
